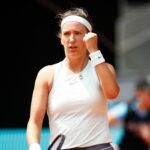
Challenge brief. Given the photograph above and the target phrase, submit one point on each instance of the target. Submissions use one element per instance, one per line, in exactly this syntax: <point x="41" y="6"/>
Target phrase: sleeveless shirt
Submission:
<point x="77" y="108"/>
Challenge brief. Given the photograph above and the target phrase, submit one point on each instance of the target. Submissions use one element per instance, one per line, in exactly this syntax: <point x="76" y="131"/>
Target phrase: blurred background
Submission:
<point x="29" y="42"/>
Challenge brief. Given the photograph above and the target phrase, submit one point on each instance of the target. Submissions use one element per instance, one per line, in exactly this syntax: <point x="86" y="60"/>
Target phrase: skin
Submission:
<point x="143" y="97"/>
<point x="78" y="43"/>
<point x="141" y="130"/>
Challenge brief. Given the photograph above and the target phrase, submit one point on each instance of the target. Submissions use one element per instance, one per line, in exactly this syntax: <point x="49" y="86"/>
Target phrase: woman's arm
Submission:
<point x="105" y="71"/>
<point x="39" y="101"/>
<point x="107" y="76"/>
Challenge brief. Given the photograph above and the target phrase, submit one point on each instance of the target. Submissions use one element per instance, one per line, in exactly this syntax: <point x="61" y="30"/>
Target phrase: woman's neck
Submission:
<point x="76" y="65"/>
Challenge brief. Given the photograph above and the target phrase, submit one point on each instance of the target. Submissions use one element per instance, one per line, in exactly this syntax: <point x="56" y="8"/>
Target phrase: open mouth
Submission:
<point x="72" y="48"/>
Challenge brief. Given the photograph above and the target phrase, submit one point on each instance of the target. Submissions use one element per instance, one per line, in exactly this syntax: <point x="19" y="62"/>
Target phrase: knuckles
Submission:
<point x="89" y="36"/>
<point x="90" y="40"/>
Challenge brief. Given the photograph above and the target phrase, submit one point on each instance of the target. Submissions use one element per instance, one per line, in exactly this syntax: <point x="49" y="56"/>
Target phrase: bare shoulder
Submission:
<point x="46" y="70"/>
<point x="45" y="75"/>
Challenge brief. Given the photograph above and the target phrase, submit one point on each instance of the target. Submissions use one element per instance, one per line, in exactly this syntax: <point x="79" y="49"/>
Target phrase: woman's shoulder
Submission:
<point x="46" y="73"/>
<point x="48" y="68"/>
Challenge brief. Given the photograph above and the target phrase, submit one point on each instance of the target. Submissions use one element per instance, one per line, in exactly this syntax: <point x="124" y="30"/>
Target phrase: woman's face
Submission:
<point x="143" y="97"/>
<point x="72" y="34"/>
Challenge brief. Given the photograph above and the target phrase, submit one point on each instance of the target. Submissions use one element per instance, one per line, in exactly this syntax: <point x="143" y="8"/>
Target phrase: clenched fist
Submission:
<point x="91" y="41"/>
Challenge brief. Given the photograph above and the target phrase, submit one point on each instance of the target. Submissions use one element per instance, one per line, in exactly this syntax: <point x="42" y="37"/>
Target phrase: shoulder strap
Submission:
<point x="55" y="73"/>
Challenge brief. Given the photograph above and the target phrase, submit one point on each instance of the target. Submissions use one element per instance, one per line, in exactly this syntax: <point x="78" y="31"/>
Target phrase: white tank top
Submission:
<point x="77" y="108"/>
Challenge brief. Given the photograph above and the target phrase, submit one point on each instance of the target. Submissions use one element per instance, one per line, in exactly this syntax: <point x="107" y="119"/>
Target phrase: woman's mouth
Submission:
<point x="72" y="48"/>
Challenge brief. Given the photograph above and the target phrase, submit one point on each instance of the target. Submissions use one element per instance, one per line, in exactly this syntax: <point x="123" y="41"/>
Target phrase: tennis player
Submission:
<point x="74" y="92"/>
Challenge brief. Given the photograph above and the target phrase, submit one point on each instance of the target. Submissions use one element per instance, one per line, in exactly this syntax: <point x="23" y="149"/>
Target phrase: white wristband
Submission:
<point x="35" y="146"/>
<point x="96" y="58"/>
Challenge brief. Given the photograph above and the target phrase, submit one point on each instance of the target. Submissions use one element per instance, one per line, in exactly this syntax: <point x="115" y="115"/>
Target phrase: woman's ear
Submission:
<point x="61" y="41"/>
<point x="59" y="36"/>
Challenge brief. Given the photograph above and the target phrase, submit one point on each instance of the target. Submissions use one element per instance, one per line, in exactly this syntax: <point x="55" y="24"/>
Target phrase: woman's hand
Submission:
<point x="91" y="41"/>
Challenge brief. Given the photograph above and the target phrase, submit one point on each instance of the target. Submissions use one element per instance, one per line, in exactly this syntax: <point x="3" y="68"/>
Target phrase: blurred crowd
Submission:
<point x="134" y="117"/>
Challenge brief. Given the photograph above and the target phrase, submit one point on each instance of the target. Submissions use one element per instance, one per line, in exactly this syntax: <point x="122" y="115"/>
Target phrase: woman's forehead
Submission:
<point x="73" y="26"/>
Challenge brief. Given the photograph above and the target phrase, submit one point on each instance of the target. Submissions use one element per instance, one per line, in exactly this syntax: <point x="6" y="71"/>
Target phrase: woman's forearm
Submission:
<point x="108" y="81"/>
<point x="33" y="132"/>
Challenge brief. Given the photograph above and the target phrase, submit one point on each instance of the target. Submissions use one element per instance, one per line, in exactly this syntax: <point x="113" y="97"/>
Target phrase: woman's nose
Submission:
<point x="72" y="38"/>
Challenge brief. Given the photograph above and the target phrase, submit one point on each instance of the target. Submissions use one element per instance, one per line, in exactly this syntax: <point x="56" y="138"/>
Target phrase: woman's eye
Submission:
<point x="77" y="33"/>
<point x="66" y="34"/>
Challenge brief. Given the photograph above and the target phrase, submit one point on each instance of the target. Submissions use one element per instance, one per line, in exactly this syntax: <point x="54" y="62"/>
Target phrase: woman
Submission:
<point x="74" y="92"/>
